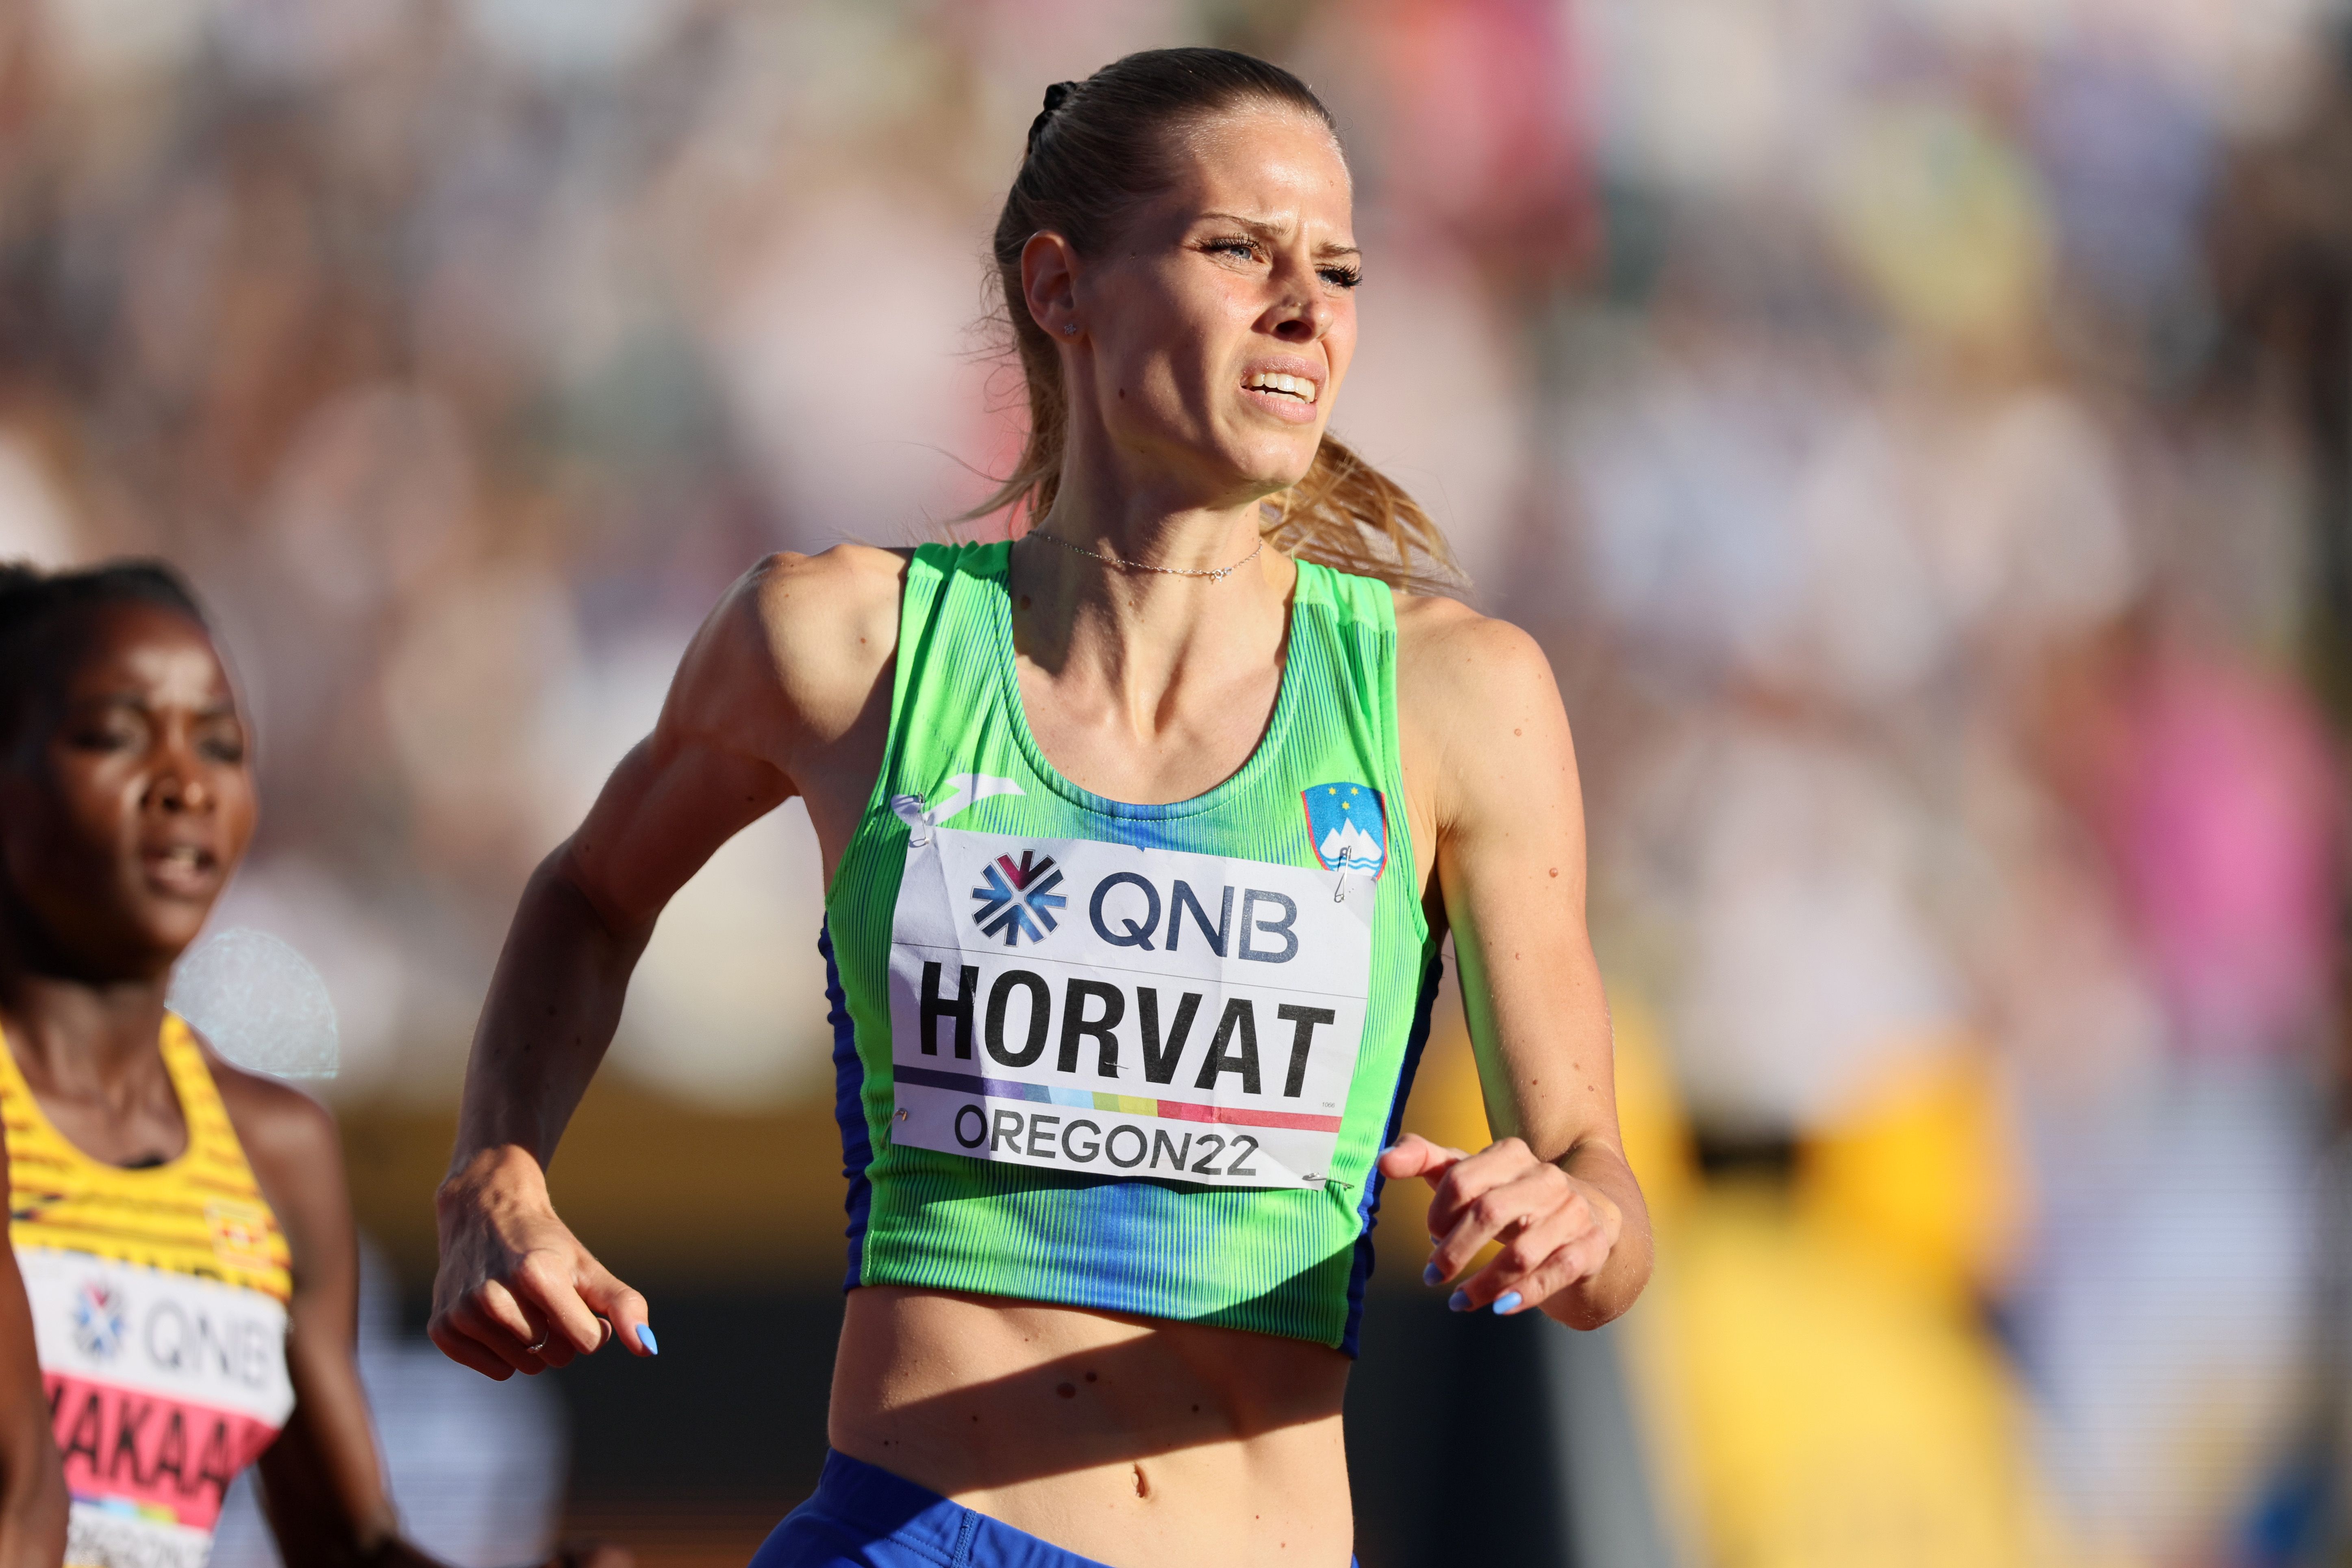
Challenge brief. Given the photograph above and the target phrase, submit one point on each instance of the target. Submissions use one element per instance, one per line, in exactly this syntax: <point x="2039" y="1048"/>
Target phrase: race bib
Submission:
<point x="1126" y="1012"/>
<point x="161" y="1387"/>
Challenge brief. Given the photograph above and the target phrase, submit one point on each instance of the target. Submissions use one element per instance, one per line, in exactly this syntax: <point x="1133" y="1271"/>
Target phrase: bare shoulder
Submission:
<point x="1456" y="666"/>
<point x="801" y="639"/>
<point x="288" y="1137"/>
<point x="849" y="586"/>
<point x="1479" y="721"/>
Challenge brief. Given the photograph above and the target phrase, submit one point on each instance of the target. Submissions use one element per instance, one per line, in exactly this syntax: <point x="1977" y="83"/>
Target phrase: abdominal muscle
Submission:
<point x="1140" y="1443"/>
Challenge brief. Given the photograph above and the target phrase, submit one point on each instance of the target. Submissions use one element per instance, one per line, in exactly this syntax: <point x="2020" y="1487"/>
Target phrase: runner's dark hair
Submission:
<point x="1097" y="151"/>
<point x="38" y="606"/>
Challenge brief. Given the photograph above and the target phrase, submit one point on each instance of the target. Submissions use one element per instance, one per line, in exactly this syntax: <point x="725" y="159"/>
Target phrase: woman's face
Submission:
<point x="1216" y="328"/>
<point x="132" y="800"/>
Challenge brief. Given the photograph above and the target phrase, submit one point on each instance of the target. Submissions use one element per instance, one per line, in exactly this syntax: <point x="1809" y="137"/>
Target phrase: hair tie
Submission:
<point x="1055" y="96"/>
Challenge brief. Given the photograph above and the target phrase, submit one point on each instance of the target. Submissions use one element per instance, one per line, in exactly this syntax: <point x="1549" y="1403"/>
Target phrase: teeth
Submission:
<point x="1274" y="381"/>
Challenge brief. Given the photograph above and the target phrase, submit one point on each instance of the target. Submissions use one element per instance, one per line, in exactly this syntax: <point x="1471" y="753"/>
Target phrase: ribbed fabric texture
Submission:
<point x="1274" y="1261"/>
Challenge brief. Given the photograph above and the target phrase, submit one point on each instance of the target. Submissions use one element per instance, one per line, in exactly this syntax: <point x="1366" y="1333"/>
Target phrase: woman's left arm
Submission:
<point x="321" y="1482"/>
<point x="32" y="1486"/>
<point x="1492" y="769"/>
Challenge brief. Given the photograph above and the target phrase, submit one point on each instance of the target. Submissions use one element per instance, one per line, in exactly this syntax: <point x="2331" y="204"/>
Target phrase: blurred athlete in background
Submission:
<point x="182" y="1225"/>
<point x="1142" y="836"/>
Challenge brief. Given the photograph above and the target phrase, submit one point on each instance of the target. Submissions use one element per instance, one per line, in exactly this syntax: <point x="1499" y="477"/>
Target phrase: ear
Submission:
<point x="1049" y="277"/>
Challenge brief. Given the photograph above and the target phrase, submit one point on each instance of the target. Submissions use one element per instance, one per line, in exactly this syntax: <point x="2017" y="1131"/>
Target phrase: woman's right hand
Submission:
<point x="516" y="1291"/>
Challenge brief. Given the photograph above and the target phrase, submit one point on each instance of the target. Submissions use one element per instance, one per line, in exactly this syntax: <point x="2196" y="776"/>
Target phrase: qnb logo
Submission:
<point x="98" y="1322"/>
<point x="1019" y="900"/>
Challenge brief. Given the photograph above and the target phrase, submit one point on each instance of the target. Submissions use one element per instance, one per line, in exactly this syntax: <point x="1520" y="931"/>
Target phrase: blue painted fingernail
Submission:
<point x="1432" y="1274"/>
<point x="645" y="1338"/>
<point x="1507" y="1303"/>
<point x="1459" y="1300"/>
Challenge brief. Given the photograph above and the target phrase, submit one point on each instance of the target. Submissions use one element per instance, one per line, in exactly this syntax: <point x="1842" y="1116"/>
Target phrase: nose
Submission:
<point x="1303" y="319"/>
<point x="1302" y="312"/>
<point x="178" y="782"/>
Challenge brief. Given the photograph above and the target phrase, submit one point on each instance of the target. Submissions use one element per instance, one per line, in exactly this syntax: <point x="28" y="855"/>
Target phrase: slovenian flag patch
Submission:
<point x="1346" y="827"/>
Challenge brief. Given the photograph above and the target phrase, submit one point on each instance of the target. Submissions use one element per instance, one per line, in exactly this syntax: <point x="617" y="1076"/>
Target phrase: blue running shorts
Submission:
<point x="865" y="1517"/>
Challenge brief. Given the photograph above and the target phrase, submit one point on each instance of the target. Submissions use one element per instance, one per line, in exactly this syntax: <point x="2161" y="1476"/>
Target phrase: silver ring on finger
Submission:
<point x="542" y="1343"/>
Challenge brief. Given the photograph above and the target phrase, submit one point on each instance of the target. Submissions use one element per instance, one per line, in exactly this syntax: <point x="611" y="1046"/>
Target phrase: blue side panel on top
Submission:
<point x="849" y="1107"/>
<point x="1370" y="1207"/>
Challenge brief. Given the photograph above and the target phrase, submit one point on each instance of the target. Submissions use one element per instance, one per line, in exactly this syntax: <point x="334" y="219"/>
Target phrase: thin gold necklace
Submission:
<point x="1218" y="575"/>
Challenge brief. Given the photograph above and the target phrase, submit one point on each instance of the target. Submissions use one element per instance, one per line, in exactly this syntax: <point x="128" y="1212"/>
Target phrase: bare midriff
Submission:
<point x="1139" y="1443"/>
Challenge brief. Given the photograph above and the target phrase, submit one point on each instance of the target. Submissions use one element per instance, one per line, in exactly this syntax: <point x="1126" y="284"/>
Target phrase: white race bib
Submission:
<point x="161" y="1387"/>
<point x="1124" y="1012"/>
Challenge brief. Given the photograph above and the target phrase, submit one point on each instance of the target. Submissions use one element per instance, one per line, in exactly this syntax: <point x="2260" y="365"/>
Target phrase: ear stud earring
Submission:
<point x="1070" y="329"/>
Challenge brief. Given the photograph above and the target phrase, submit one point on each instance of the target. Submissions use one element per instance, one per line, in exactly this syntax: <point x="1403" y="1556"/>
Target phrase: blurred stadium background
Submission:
<point x="1920" y="431"/>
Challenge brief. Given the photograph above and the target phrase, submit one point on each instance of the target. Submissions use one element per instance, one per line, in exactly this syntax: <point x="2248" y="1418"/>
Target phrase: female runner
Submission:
<point x="182" y="1225"/>
<point x="1140" y="836"/>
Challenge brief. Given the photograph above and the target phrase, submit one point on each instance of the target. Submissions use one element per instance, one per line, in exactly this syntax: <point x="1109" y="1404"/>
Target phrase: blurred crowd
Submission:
<point x="1946" y="475"/>
<point x="1920" y="431"/>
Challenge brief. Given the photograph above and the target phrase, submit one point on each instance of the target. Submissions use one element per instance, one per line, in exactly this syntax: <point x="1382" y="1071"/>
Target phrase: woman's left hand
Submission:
<point x="1554" y="1229"/>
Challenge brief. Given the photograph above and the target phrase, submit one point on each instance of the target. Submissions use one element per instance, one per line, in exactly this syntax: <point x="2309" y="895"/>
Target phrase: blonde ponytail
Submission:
<point x="1346" y="513"/>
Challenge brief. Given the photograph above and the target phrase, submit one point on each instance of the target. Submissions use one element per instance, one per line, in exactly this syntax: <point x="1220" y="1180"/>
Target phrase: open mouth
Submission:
<point x="180" y="867"/>
<point x="1295" y="386"/>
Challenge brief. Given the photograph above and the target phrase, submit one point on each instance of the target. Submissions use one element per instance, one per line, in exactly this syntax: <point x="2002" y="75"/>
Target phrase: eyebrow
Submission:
<point x="1264" y="229"/>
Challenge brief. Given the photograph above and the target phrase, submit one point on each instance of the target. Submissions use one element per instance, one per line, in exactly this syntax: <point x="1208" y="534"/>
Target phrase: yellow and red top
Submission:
<point x="158" y="1299"/>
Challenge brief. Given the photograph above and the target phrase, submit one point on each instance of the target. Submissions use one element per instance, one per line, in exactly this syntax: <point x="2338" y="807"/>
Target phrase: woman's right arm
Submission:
<point x="781" y="676"/>
<point x="32" y="1488"/>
